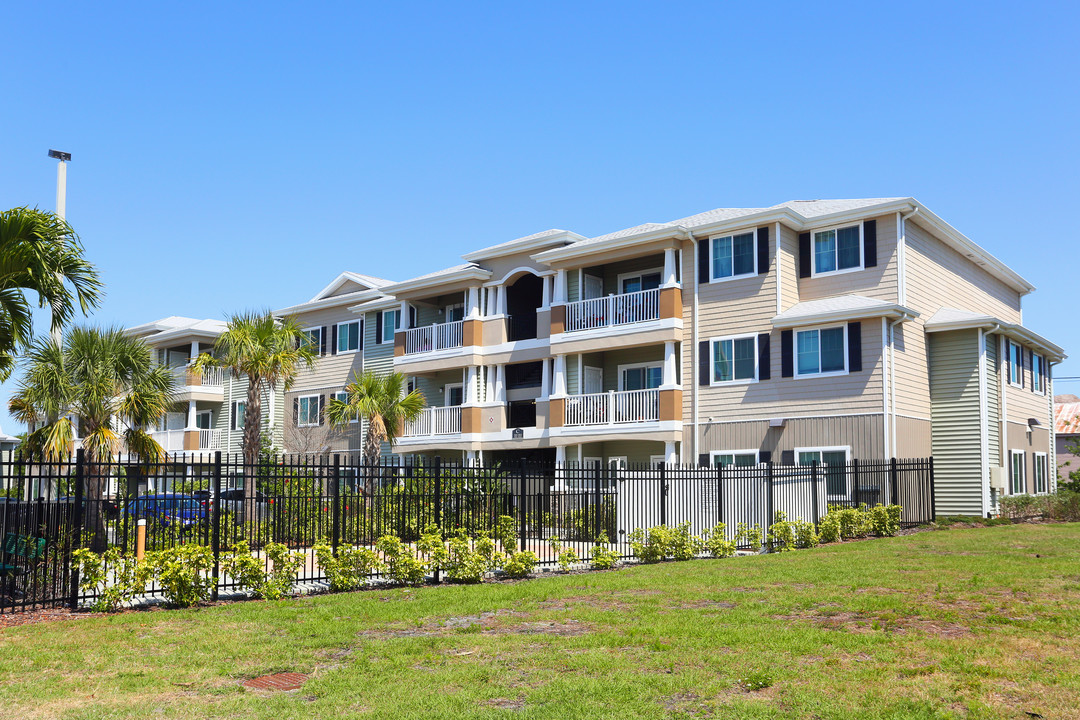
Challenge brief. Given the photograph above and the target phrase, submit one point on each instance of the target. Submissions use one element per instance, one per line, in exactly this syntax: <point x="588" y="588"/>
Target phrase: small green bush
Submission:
<point x="603" y="557"/>
<point x="716" y="543"/>
<point x="885" y="520"/>
<point x="748" y="535"/>
<point x="282" y="574"/>
<point x="183" y="572"/>
<point x="244" y="568"/>
<point x="402" y="565"/>
<point x="652" y="545"/>
<point x="564" y="555"/>
<point x="781" y="536"/>
<point x="829" y="528"/>
<point x="350" y="569"/>
<point x="520" y="564"/>
<point x="506" y="531"/>
<point x="683" y="545"/>
<point x="805" y="534"/>
<point x="464" y="563"/>
<point x="115" y="578"/>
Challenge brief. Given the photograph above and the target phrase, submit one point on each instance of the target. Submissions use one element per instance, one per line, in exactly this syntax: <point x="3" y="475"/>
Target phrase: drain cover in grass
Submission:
<point x="277" y="681"/>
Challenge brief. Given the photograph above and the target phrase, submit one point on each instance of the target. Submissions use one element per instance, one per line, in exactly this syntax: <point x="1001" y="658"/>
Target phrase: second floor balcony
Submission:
<point x="431" y="338"/>
<point x="189" y="440"/>
<point x="434" y="421"/>
<point x="612" y="408"/>
<point x="621" y="309"/>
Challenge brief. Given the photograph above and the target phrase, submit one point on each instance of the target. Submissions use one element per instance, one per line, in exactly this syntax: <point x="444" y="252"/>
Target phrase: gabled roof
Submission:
<point x="176" y="326"/>
<point x="1067" y="418"/>
<point x="529" y="243"/>
<point x="369" y="288"/>
<point x="367" y="282"/>
<point x="947" y="319"/>
<point x="839" y="309"/>
<point x="467" y="271"/>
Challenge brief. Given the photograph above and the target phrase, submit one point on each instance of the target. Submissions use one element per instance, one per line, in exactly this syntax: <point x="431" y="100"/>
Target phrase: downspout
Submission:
<point x="694" y="360"/>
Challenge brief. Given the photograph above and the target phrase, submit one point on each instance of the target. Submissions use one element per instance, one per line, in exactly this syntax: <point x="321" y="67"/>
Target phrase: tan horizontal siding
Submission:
<point x="910" y="373"/>
<point x="913" y="438"/>
<point x="789" y="267"/>
<point x="864" y="434"/>
<point x="876" y="282"/>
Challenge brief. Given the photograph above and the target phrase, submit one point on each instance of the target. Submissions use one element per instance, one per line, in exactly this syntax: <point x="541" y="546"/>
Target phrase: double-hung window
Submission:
<point x="1040" y="473"/>
<point x="1038" y="368"/>
<point x="738" y="458"/>
<point x="312" y="338"/>
<point x="348" y="336"/>
<point x="1017" y="479"/>
<point x="637" y="282"/>
<point x="734" y="359"/>
<point x="389" y="326"/>
<point x="833" y="462"/>
<point x="1016" y="364"/>
<point x="343" y="396"/>
<point x="640" y="377"/>
<point x="821" y="351"/>
<point x="733" y="256"/>
<point x="239" y="407"/>
<point x="838" y="249"/>
<point x="307" y="411"/>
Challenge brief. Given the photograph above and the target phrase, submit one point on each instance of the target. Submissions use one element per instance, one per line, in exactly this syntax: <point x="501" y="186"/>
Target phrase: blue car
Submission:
<point x="180" y="510"/>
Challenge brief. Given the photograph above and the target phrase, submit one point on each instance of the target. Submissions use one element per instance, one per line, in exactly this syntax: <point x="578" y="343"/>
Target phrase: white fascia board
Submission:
<point x="887" y="208"/>
<point x="563" y="238"/>
<point x="784" y="215"/>
<point x="676" y="232"/>
<point x="473" y="273"/>
<point x="894" y="312"/>
<point x="382" y="303"/>
<point x="1054" y="353"/>
<point x="329" y="302"/>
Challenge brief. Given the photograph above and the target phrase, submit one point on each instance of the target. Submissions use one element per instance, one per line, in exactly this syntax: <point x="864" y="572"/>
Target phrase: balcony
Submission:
<point x="210" y="378"/>
<point x="187" y="440"/>
<point x="613" y="408"/>
<point x="624" y="309"/>
<point x="440" y="336"/>
<point x="434" y="421"/>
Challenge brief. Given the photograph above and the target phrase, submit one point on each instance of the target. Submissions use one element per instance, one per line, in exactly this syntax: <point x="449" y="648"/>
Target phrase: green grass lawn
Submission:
<point x="961" y="623"/>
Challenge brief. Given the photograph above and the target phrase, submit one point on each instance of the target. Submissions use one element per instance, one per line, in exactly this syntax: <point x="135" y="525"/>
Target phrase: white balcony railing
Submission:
<point x="435" y="421"/>
<point x="612" y="310"/>
<point x="611" y="408"/>
<point x="434" y="337"/>
<point x="212" y="377"/>
<point x="174" y="440"/>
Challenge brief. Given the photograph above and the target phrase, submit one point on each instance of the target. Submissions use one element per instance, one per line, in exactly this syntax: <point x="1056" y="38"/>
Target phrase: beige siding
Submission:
<point x="862" y="433"/>
<point x="611" y="361"/>
<point x="911" y="368"/>
<point x="789" y="267"/>
<point x="913" y="438"/>
<point x="1037" y="441"/>
<point x="499" y="267"/>
<point x="877" y="282"/>
<point x="954" y="391"/>
<point x="938" y="276"/>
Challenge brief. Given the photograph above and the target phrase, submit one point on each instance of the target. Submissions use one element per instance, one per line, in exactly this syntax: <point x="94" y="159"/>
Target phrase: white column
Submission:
<point x="560" y="376"/>
<point x="470" y="456"/>
<point x="492" y="302"/>
<point x="560" y="453"/>
<point x="472" y="300"/>
<point x="500" y="383"/>
<point x="545" y="379"/>
<point x="560" y="288"/>
<point x="545" y="300"/>
<point x="191" y="415"/>
<point x="669" y="453"/>
<point x="403" y="316"/>
<point x="669" y="268"/>
<point x="470" y="385"/>
<point x="502" y="300"/>
<point x="194" y="349"/>
<point x="669" y="366"/>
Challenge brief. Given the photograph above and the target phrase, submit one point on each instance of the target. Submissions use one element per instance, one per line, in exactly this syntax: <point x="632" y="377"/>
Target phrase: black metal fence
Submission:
<point x="303" y="500"/>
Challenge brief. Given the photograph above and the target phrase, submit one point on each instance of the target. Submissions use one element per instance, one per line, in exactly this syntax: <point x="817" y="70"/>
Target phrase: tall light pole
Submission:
<point x="61" y="207"/>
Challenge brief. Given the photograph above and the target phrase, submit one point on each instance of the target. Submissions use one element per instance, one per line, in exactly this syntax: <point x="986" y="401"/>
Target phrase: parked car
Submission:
<point x="108" y="505"/>
<point x="180" y="510"/>
<point x="233" y="501"/>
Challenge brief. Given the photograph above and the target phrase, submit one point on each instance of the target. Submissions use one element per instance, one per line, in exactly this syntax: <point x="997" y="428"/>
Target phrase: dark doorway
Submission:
<point x="522" y="300"/>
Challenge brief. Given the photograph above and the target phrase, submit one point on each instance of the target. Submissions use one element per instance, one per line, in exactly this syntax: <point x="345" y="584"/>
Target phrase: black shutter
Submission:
<point x="412" y="316"/>
<point x="704" y="375"/>
<point x="804" y="255"/>
<point x="333" y="340"/>
<point x="854" y="346"/>
<point x="378" y="328"/>
<point x="360" y="334"/>
<point x="322" y="406"/>
<point x="787" y="359"/>
<point x="764" y="456"/>
<point x="703" y="459"/>
<point x="764" y="359"/>
<point x="703" y="261"/>
<point x="232" y="417"/>
<point x="869" y="237"/>
<point x="322" y="342"/>
<point x="763" y="250"/>
<point x="787" y="457"/>
<point x="295" y="411"/>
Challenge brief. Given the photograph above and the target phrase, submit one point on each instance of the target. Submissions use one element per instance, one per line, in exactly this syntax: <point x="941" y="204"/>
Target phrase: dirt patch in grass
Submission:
<point x="11" y="618"/>
<point x="505" y="704"/>
<point x="706" y="604"/>
<point x="486" y="623"/>
<point x="825" y="617"/>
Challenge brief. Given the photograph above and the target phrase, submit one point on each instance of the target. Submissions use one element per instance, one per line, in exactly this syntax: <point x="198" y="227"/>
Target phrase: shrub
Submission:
<point x="682" y="544"/>
<point x="402" y="566"/>
<point x="183" y="572"/>
<point x="652" y="545"/>
<point x="520" y="564"/>
<point x="716" y="543"/>
<point x="829" y="528"/>
<point x="282" y="574"/>
<point x="885" y="520"/>
<point x="464" y="564"/>
<point x="244" y="568"/>
<point x="747" y="535"/>
<point x="565" y="556"/>
<point x="603" y="557"/>
<point x="116" y="579"/>
<point x="854" y="522"/>
<point x="506" y="531"/>
<point x="781" y="536"/>
<point x="350" y="569"/>
<point x="805" y="534"/>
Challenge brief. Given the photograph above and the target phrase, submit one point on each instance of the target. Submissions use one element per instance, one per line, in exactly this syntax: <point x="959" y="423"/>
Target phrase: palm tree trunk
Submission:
<point x="252" y="432"/>
<point x="94" y="522"/>
<point x="372" y="450"/>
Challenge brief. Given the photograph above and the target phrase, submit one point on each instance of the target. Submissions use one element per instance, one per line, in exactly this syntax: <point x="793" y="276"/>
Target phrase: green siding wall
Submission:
<point x="955" y="414"/>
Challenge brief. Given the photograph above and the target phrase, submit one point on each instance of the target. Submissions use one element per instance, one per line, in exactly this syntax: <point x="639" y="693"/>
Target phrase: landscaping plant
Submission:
<point x="183" y="572"/>
<point x="115" y="578"/>
<point x="716" y="543"/>
<point x="351" y="567"/>
<point x="402" y="565"/>
<point x="520" y="564"/>
<point x="603" y="557"/>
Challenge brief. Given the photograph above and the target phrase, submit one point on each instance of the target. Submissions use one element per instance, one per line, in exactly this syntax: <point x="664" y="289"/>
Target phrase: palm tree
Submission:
<point x="269" y="352"/>
<point x="107" y="381"/>
<point x="40" y="253"/>
<point x="383" y="404"/>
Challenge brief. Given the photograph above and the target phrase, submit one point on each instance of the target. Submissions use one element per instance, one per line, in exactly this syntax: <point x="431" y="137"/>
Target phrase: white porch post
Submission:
<point x="669" y="366"/>
<point x="403" y="316"/>
<point x="502" y="300"/>
<point x="669" y="453"/>
<point x="545" y="298"/>
<point x="470" y="385"/>
<point x="500" y="383"/>
<point x="492" y="301"/>
<point x="472" y="299"/>
<point x="669" y="268"/>
<point x="470" y="456"/>
<point x="560" y="376"/>
<point x="560" y="288"/>
<point x="545" y="379"/>
<point x="191" y="415"/>
<point x="194" y="349"/>
<point x="560" y="454"/>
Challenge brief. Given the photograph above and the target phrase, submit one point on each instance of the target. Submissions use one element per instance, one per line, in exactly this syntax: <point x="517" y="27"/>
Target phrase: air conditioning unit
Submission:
<point x="999" y="477"/>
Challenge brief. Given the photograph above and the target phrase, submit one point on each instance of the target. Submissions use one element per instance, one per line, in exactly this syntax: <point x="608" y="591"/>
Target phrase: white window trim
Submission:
<point x="740" y="276"/>
<point x="1010" y="364"/>
<point x="318" y="329"/>
<point x="451" y="306"/>
<point x="299" y="402"/>
<point x="713" y="382"/>
<point x="389" y="339"/>
<point x="636" y="274"/>
<point x="204" y="412"/>
<point x="590" y="462"/>
<point x="750" y="451"/>
<point x="819" y="374"/>
<point x="1038" y="375"/>
<point x="619" y="460"/>
<point x="1023" y="472"/>
<point x="633" y="366"/>
<point x="813" y="253"/>
<point x="846" y="449"/>
<point x="343" y="396"/>
<point x="239" y="415"/>
<point x="1046" y="472"/>
<point x="655" y="460"/>
<point x="446" y="393"/>
<point x="359" y="337"/>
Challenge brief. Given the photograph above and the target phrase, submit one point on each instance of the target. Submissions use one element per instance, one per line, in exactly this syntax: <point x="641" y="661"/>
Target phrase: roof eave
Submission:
<point x="474" y="273"/>
<point x="329" y="302"/>
<point x="1054" y="353"/>
<point x="489" y="253"/>
<point x="677" y="232"/>
<point x="894" y="312"/>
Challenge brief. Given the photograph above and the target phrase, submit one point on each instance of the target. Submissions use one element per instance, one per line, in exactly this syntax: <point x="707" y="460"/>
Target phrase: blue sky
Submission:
<point x="231" y="156"/>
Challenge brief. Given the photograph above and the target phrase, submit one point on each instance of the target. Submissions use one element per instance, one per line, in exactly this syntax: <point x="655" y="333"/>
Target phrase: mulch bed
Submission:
<point x="11" y="618"/>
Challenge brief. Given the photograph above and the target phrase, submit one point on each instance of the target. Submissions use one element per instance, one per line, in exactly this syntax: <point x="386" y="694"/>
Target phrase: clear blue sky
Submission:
<point x="230" y="157"/>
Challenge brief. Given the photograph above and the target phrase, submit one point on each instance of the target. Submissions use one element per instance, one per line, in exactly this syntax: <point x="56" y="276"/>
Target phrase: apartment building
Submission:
<point x="811" y="331"/>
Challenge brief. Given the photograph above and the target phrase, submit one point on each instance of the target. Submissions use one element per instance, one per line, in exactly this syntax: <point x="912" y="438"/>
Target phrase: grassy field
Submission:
<point x="979" y="623"/>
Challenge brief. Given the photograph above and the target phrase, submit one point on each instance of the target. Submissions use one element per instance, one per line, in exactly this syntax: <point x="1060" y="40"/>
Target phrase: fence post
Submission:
<point x="814" y="492"/>
<point x="521" y="503"/>
<point x="663" y="496"/>
<point x="335" y="479"/>
<point x="77" y="523"/>
<point x="596" y="500"/>
<point x="855" y="473"/>
<point x="438" y="506"/>
<point x="894" y="483"/>
<point x="933" y="499"/>
<point x="719" y="493"/>
<point x="769" y="501"/>
<point x="216" y="510"/>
